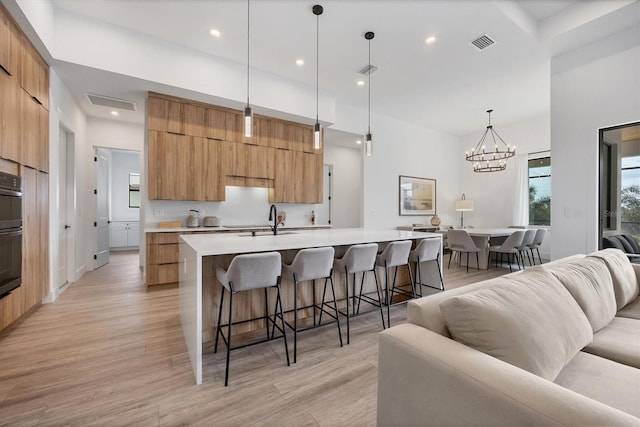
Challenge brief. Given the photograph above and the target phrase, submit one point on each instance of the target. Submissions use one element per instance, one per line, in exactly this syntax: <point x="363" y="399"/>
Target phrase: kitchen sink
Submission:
<point x="265" y="233"/>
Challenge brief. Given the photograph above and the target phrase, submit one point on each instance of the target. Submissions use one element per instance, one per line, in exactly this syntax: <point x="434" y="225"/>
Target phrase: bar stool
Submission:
<point x="311" y="264"/>
<point x="395" y="254"/>
<point x="427" y="250"/>
<point x="245" y="273"/>
<point x="359" y="259"/>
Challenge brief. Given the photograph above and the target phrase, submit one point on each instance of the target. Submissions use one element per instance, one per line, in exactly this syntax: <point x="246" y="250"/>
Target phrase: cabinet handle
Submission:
<point x="37" y="100"/>
<point x="176" y="133"/>
<point x="215" y="139"/>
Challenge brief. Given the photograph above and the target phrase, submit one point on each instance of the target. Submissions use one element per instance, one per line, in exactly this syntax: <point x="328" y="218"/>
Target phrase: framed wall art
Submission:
<point x="417" y="196"/>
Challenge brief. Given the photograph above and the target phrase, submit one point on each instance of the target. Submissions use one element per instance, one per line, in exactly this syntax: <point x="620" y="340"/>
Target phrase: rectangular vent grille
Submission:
<point x="482" y="42"/>
<point x="106" y="101"/>
<point x="367" y="69"/>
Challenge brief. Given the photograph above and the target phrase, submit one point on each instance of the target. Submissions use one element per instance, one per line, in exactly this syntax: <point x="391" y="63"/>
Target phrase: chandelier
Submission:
<point x="492" y="159"/>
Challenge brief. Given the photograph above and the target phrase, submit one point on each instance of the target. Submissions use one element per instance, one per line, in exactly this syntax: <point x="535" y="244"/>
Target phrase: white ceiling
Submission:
<point x="446" y="86"/>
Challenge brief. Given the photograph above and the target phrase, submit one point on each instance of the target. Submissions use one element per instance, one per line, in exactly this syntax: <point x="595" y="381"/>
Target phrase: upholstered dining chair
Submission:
<point x="537" y="242"/>
<point x="461" y="242"/>
<point x="523" y="248"/>
<point x="509" y="247"/>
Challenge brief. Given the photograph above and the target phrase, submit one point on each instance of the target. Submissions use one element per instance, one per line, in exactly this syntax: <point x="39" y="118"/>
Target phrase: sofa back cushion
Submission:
<point x="632" y="242"/>
<point x="589" y="282"/>
<point x="530" y="321"/>
<point x="625" y="282"/>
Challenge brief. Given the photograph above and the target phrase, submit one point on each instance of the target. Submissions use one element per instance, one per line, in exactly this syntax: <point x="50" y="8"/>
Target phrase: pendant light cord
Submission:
<point x="248" y="27"/>
<point x="317" y="66"/>
<point x="369" y="105"/>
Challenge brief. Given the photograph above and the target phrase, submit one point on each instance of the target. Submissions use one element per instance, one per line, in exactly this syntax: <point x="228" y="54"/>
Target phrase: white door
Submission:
<point x="102" y="207"/>
<point x="324" y="215"/>
<point x="63" y="225"/>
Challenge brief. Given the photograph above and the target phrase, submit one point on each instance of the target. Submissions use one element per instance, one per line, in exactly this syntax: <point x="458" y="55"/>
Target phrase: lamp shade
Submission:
<point x="464" y="205"/>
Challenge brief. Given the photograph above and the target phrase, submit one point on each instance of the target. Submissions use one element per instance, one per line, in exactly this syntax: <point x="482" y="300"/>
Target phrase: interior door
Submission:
<point x="323" y="217"/>
<point x="102" y="207"/>
<point x="63" y="225"/>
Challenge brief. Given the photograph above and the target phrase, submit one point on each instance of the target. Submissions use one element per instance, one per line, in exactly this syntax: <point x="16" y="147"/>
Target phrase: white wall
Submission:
<point x="122" y="164"/>
<point x="400" y="148"/>
<point x="64" y="112"/>
<point x="592" y="87"/>
<point x="346" y="206"/>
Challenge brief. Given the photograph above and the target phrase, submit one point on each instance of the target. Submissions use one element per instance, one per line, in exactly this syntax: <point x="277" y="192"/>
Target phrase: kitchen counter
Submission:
<point x="200" y="254"/>
<point x="232" y="228"/>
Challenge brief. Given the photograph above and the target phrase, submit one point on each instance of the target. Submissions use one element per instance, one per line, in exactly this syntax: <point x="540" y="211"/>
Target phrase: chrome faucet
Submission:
<point x="273" y="216"/>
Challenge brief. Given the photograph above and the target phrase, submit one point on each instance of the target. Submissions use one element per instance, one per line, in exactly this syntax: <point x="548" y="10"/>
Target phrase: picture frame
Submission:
<point x="417" y="196"/>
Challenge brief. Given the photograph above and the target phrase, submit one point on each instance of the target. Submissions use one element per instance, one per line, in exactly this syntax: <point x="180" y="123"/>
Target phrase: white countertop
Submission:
<point x="236" y="243"/>
<point x="232" y="228"/>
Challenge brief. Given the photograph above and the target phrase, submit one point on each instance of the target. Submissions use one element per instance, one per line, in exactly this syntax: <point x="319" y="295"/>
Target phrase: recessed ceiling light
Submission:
<point x="299" y="62"/>
<point x="115" y="113"/>
<point x="359" y="141"/>
<point x="430" y="40"/>
<point x="360" y="82"/>
<point x="214" y="33"/>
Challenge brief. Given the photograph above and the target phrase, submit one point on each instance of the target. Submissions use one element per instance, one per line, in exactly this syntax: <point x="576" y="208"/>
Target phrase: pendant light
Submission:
<point x="492" y="160"/>
<point x="317" y="140"/>
<point x="248" y="111"/>
<point x="367" y="139"/>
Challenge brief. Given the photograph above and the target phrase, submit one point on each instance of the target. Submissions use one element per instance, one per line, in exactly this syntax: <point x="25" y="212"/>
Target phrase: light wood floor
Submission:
<point x="109" y="352"/>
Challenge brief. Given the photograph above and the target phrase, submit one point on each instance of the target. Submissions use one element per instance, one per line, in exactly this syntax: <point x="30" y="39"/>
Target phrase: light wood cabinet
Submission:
<point x="209" y="169"/>
<point x="43" y="235"/>
<point x="235" y="159"/>
<point x="165" y="115"/>
<point x="194" y="120"/>
<point x="42" y="141"/>
<point x="9" y="45"/>
<point x="34" y="73"/>
<point x="175" y="118"/>
<point x="297" y="177"/>
<point x="162" y="258"/>
<point x="260" y="162"/>
<point x="29" y="134"/>
<point x="10" y="116"/>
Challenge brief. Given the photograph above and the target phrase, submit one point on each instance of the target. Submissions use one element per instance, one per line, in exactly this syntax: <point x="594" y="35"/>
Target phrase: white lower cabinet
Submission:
<point x="125" y="234"/>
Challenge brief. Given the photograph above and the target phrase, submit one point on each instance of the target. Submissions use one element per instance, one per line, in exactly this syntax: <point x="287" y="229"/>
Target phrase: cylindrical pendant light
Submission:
<point x="248" y="111"/>
<point x="368" y="149"/>
<point x="317" y="130"/>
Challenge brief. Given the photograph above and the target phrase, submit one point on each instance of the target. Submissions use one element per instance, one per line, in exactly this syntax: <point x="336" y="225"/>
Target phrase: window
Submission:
<point x="630" y="195"/>
<point x="134" y="190"/>
<point x="540" y="191"/>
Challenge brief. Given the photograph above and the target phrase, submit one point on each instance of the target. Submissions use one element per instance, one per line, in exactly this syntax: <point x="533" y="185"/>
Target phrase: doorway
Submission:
<point x="619" y="182"/>
<point x="64" y="207"/>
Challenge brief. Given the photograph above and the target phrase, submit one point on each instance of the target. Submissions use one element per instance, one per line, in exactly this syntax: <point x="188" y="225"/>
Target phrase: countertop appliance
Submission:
<point x="192" y="219"/>
<point x="10" y="233"/>
<point x="211" y="221"/>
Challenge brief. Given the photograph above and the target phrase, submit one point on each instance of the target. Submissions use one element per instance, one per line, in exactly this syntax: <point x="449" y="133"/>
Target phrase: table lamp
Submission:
<point x="463" y="205"/>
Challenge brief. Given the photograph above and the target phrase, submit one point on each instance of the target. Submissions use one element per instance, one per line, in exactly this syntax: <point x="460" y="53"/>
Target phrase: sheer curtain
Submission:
<point x="521" y="199"/>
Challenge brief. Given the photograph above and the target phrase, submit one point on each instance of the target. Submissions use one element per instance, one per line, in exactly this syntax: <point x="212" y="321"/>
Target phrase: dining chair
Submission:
<point x="523" y="248"/>
<point x="461" y="242"/>
<point x="509" y="247"/>
<point x="537" y="242"/>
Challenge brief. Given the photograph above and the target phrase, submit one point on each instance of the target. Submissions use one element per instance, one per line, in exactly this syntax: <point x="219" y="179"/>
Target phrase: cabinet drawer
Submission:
<point x="162" y="238"/>
<point x="162" y="273"/>
<point x="162" y="254"/>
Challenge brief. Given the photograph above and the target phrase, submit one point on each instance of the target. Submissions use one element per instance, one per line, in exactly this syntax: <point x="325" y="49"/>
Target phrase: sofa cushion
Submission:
<point x="589" y="282"/>
<point x="625" y="283"/>
<point x="631" y="310"/>
<point x="530" y="321"/>
<point x="612" y="242"/>
<point x="632" y="242"/>
<point x="619" y="341"/>
<point x="625" y="244"/>
<point x="606" y="381"/>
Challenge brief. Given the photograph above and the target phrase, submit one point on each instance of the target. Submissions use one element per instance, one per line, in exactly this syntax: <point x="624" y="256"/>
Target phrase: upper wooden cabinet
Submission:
<point x="194" y="120"/>
<point x="9" y="45"/>
<point x="34" y="73"/>
<point x="166" y="115"/>
<point x="10" y="118"/>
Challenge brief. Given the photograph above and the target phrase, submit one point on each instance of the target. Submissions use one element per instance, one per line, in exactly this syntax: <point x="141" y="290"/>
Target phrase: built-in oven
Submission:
<point x="10" y="233"/>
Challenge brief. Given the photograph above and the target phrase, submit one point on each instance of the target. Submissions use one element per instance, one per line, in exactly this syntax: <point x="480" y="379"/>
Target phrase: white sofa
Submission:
<point x="557" y="344"/>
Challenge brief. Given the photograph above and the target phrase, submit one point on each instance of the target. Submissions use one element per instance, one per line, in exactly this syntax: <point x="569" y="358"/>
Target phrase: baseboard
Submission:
<point x="52" y="296"/>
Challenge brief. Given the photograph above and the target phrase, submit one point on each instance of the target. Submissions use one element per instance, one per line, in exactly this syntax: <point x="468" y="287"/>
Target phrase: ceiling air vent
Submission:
<point x="106" y="101"/>
<point x="367" y="69"/>
<point x="482" y="42"/>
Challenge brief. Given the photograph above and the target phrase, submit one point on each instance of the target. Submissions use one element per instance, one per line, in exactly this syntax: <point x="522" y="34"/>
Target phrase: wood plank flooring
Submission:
<point x="110" y="352"/>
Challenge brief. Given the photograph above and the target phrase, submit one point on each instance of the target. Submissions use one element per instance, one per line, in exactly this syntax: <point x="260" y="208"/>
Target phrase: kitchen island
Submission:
<point x="200" y="254"/>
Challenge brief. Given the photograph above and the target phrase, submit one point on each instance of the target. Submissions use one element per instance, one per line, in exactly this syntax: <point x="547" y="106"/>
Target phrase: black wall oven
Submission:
<point x="10" y="233"/>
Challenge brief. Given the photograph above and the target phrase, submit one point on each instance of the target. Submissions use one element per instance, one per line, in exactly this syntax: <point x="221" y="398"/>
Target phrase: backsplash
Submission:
<point x="243" y="206"/>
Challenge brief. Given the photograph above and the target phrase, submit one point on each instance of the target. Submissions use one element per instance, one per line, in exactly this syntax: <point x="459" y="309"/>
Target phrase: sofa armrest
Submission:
<point x="427" y="379"/>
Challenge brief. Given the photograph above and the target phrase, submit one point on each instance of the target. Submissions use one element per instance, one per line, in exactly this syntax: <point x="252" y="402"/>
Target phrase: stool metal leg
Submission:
<point x="226" y="372"/>
<point x="284" y="331"/>
<point x="266" y="310"/>
<point x="295" y="319"/>
<point x="375" y="276"/>
<point x="335" y="305"/>
<point x="215" y="348"/>
<point x="346" y="280"/>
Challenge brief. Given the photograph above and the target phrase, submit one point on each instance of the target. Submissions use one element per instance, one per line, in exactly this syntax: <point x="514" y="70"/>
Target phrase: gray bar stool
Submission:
<point x="311" y="264"/>
<point x="427" y="250"/>
<point x="395" y="254"/>
<point x="245" y="273"/>
<point x="359" y="259"/>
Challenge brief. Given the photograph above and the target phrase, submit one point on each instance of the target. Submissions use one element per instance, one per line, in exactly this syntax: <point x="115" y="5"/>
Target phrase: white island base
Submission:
<point x="199" y="254"/>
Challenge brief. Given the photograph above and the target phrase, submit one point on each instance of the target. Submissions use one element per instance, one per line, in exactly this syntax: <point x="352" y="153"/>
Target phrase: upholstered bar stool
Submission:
<point x="359" y="259"/>
<point x="312" y="264"/>
<point x="245" y="273"/>
<point x="427" y="250"/>
<point x="395" y="254"/>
